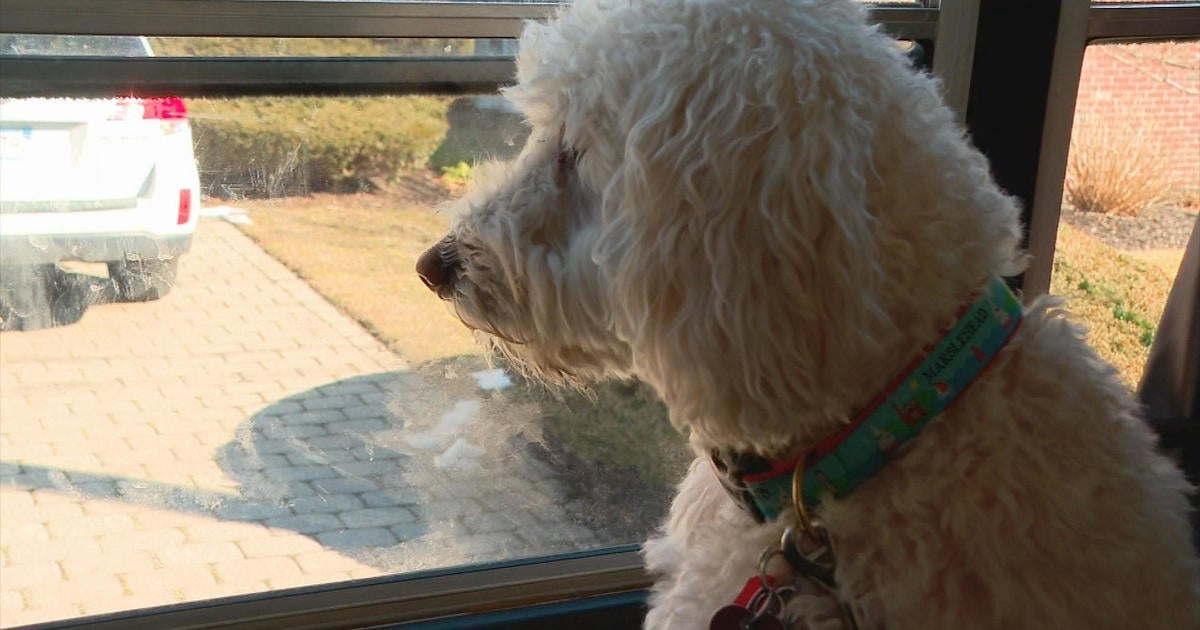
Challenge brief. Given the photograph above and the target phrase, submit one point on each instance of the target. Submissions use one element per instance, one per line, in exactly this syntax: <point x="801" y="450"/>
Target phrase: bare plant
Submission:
<point x="1115" y="166"/>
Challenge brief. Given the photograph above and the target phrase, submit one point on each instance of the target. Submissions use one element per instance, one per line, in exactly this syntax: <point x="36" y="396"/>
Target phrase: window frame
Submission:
<point x="443" y="596"/>
<point x="394" y="600"/>
<point x="1030" y="160"/>
<point x="249" y="76"/>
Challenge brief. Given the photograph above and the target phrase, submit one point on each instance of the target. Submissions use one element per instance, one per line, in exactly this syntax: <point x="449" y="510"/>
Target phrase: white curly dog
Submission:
<point x="760" y="209"/>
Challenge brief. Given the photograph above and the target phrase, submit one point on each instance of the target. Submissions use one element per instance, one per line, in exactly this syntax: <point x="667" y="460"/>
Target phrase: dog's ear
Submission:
<point x="737" y="233"/>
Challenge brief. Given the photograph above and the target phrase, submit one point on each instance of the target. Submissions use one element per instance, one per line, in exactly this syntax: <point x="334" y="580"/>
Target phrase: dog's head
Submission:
<point x="517" y="266"/>
<point x="749" y="205"/>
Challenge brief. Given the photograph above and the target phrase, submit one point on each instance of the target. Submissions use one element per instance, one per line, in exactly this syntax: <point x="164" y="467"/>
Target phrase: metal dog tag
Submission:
<point x="734" y="617"/>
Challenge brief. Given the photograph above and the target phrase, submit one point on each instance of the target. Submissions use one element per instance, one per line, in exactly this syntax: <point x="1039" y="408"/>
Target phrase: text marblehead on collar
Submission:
<point x="838" y="464"/>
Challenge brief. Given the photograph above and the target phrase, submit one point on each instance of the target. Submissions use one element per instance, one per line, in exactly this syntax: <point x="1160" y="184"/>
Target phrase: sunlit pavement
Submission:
<point x="243" y="435"/>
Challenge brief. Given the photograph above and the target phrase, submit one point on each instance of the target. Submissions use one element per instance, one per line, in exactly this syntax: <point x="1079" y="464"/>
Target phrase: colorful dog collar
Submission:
<point x="838" y="464"/>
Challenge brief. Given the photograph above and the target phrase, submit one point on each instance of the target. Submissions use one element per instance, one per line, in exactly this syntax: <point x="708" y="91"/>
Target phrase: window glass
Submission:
<point x="220" y="375"/>
<point x="330" y="47"/>
<point x="1132" y="193"/>
<point x="74" y="45"/>
<point x="130" y="46"/>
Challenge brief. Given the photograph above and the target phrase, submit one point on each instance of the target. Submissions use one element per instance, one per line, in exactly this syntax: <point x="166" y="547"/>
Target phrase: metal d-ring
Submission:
<point x="807" y="524"/>
<point x="802" y="517"/>
<point x="849" y="616"/>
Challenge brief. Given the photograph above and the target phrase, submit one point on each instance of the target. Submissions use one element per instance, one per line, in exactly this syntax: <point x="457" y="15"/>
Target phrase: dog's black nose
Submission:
<point x="434" y="266"/>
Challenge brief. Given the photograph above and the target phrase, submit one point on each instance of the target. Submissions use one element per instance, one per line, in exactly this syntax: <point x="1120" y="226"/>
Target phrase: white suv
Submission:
<point x="97" y="180"/>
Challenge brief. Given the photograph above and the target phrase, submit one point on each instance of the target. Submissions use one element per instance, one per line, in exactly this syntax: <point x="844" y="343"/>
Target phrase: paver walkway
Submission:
<point x="242" y="435"/>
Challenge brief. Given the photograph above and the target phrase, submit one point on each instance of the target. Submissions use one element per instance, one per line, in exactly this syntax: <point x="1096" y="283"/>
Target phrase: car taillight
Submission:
<point x="170" y="108"/>
<point x="171" y="112"/>
<point x="185" y="206"/>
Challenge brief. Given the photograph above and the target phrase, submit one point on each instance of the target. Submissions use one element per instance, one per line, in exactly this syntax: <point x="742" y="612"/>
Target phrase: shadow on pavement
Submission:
<point x="308" y="463"/>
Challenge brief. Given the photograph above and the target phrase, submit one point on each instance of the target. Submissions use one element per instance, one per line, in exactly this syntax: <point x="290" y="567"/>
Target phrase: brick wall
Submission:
<point x="1155" y="85"/>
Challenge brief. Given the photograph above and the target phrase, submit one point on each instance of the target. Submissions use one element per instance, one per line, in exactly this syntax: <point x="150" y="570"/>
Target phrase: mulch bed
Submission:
<point x="1155" y="228"/>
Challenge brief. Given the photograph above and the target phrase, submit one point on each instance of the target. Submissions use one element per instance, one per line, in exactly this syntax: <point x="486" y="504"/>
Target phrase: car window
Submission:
<point x="1130" y="196"/>
<point x="222" y="376"/>
<point x="280" y="403"/>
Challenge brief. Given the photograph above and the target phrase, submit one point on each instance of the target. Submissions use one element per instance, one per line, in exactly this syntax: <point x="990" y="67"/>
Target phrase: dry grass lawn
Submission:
<point x="359" y="252"/>
<point x="1119" y="296"/>
<point x="1167" y="260"/>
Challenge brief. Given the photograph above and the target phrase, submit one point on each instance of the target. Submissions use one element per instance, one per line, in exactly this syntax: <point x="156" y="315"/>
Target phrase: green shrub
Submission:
<point x="481" y="128"/>
<point x="276" y="146"/>
<point x="458" y="175"/>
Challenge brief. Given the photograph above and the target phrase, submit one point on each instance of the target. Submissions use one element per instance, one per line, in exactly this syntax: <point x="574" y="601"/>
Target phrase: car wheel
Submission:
<point x="142" y="279"/>
<point x="27" y="295"/>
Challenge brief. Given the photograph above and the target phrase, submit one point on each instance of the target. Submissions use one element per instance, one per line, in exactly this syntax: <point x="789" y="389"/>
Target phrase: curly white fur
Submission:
<point x="762" y="211"/>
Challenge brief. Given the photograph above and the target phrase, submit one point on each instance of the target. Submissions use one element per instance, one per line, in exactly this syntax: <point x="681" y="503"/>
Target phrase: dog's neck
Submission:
<point x="834" y="466"/>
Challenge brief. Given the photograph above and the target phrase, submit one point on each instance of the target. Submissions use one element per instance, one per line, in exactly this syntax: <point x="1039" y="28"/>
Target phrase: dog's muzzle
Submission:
<point x="436" y="266"/>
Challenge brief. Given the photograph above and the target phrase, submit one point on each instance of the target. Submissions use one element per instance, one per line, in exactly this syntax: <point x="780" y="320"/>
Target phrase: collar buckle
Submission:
<point x="731" y="481"/>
